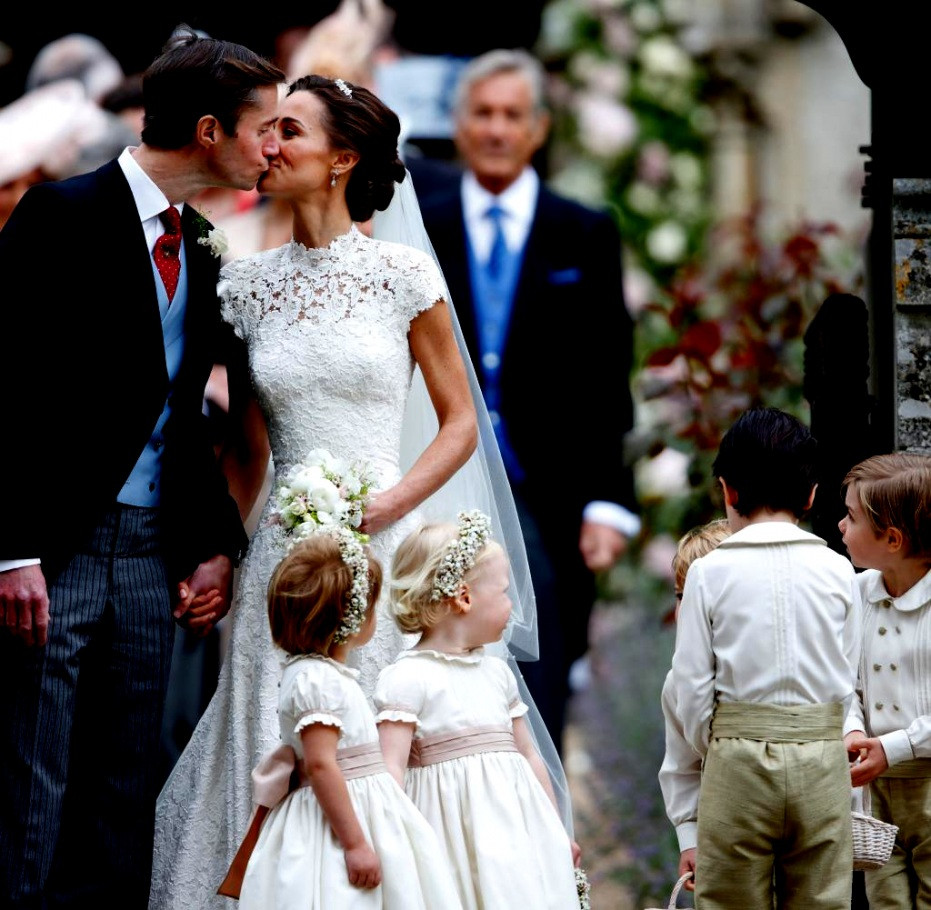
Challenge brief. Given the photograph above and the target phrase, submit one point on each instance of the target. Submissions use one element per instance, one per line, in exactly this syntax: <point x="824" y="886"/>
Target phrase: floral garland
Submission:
<point x="584" y="888"/>
<point x="474" y="531"/>
<point x="353" y="555"/>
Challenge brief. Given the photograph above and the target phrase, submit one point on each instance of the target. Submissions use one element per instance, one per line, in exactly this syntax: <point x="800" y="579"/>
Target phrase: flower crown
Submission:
<point x="345" y="89"/>
<point x="474" y="531"/>
<point x="353" y="555"/>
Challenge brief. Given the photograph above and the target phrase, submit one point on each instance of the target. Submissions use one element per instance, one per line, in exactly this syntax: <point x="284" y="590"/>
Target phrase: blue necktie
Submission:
<point x="499" y="250"/>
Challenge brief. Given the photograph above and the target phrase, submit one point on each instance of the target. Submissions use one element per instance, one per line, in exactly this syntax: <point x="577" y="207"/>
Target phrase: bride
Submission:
<point x="353" y="347"/>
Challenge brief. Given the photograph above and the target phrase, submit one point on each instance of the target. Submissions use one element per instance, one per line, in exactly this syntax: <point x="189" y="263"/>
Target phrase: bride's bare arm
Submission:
<point x="244" y="458"/>
<point x="434" y="348"/>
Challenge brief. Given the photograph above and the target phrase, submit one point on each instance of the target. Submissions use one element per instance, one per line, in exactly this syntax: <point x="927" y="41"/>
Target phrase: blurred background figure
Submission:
<point x="537" y="283"/>
<point x="41" y="136"/>
<point x="79" y="57"/>
<point x="125" y="100"/>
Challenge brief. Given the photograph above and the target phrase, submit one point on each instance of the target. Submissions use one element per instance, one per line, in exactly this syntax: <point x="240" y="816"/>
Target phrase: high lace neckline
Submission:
<point x="340" y="244"/>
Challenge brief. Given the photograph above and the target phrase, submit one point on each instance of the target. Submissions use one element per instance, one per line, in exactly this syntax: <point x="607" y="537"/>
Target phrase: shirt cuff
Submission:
<point x="7" y="564"/>
<point x="613" y="515"/>
<point x="897" y="747"/>
<point x="687" y="833"/>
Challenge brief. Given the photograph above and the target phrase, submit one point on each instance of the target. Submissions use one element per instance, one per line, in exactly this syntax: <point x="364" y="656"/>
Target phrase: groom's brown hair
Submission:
<point x="196" y="76"/>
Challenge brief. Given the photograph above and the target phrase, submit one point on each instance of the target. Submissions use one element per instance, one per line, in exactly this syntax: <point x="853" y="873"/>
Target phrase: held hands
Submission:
<point x="363" y="866"/>
<point x="204" y="596"/>
<point x="687" y="864"/>
<point x="24" y="604"/>
<point x="601" y="545"/>
<point x="868" y="757"/>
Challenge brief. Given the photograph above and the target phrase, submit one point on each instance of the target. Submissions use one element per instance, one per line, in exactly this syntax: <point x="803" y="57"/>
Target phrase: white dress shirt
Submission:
<point x="895" y="668"/>
<point x="518" y="203"/>
<point x="771" y="616"/>
<point x="680" y="773"/>
<point x="150" y="201"/>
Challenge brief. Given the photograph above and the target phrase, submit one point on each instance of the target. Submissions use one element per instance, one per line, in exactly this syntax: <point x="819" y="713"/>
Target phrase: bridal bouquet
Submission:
<point x="323" y="492"/>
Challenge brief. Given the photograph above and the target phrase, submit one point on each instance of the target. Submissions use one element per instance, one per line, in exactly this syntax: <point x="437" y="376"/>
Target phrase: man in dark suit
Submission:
<point x="114" y="517"/>
<point x="542" y="310"/>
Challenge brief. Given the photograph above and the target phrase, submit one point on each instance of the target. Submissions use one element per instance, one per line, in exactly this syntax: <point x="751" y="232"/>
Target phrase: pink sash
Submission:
<point x="445" y="746"/>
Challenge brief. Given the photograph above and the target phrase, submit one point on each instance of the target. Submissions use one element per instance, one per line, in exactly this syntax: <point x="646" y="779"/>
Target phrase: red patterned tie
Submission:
<point x="167" y="250"/>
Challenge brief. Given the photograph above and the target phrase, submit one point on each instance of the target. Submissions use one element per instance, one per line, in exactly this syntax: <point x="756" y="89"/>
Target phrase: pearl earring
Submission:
<point x="333" y="175"/>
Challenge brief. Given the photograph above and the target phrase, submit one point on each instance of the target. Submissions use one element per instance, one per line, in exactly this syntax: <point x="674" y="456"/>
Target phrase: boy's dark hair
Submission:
<point x="769" y="459"/>
<point x="195" y="76"/>
<point x="356" y="119"/>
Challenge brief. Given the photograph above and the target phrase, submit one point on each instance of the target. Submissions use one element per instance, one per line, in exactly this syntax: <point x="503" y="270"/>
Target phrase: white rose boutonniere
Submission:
<point x="211" y="237"/>
<point x="215" y="241"/>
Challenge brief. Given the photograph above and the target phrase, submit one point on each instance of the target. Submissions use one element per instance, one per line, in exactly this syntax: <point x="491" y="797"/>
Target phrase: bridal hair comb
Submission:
<point x="345" y="89"/>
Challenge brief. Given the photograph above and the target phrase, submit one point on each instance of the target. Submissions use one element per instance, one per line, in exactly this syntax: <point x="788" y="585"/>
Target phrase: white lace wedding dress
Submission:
<point x="326" y="331"/>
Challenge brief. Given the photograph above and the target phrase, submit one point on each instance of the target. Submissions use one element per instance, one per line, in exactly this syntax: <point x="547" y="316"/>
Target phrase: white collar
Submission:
<point x="150" y="200"/>
<point x="769" y="532"/>
<point x="874" y="591"/>
<point x="518" y="200"/>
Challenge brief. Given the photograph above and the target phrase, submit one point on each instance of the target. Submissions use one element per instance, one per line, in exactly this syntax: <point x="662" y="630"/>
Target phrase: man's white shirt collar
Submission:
<point x="518" y="201"/>
<point x="150" y="200"/>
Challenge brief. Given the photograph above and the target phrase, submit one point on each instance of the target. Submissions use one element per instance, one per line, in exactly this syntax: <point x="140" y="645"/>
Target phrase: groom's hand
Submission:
<point x="204" y="596"/>
<point x="24" y="606"/>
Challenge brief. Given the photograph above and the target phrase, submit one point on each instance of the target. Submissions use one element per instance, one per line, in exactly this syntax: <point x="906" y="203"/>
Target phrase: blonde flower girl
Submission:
<point x="452" y="726"/>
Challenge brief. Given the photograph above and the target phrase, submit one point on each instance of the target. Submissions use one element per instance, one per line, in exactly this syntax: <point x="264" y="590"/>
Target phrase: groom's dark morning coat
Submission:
<point x="565" y="371"/>
<point x="82" y="369"/>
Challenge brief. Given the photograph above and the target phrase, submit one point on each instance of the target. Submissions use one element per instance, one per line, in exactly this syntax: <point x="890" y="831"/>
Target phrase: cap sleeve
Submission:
<point x="399" y="693"/>
<point x="424" y="283"/>
<point x="236" y="305"/>
<point x="316" y="697"/>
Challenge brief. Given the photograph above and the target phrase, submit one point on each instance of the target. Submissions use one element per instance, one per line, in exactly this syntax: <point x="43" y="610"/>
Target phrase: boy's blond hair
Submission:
<point x="695" y="543"/>
<point x="413" y="574"/>
<point x="894" y="491"/>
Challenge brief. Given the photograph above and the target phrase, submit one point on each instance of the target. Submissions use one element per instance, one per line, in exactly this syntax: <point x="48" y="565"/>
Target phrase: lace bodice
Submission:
<point x="326" y="332"/>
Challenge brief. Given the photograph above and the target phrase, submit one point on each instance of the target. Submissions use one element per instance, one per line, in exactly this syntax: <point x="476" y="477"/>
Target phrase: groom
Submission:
<point x="114" y="518"/>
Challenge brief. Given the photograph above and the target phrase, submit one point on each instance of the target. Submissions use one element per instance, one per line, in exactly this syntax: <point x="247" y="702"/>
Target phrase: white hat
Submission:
<point x="76" y="56"/>
<point x="39" y="128"/>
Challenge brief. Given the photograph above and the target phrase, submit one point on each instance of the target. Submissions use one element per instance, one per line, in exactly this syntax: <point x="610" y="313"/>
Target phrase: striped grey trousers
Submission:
<point x="80" y="721"/>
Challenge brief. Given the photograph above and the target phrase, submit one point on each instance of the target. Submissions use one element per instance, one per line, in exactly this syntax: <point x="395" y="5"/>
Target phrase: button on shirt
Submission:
<point x="894" y="674"/>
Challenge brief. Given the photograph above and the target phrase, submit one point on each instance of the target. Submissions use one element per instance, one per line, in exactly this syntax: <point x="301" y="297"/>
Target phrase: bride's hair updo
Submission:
<point x="358" y="120"/>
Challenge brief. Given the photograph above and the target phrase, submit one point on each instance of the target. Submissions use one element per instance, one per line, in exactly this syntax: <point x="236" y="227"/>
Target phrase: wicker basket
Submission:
<point x="872" y="841"/>
<point x="675" y="893"/>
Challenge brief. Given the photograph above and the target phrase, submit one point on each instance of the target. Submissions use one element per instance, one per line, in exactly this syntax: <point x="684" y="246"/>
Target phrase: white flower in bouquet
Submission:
<point x="323" y="492"/>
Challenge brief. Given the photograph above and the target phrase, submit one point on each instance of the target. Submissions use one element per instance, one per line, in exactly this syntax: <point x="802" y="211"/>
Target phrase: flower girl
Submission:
<point x="452" y="729"/>
<point x="346" y="836"/>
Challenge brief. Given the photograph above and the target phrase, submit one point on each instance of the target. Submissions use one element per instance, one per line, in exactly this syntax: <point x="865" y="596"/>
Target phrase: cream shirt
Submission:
<point x="680" y="774"/>
<point x="895" y="668"/>
<point x="771" y="616"/>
